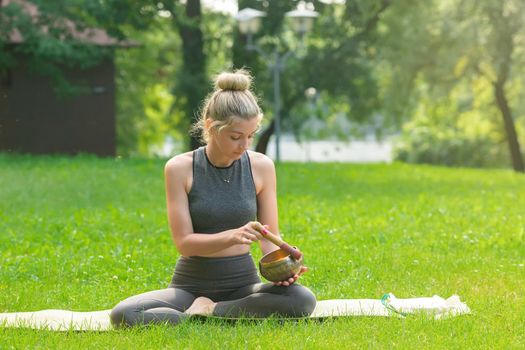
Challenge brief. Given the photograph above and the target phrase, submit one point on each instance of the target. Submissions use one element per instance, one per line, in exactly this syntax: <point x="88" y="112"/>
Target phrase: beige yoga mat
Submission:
<point x="389" y="305"/>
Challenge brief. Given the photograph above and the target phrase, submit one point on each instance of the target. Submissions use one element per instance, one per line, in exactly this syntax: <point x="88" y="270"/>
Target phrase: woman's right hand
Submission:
<point x="248" y="233"/>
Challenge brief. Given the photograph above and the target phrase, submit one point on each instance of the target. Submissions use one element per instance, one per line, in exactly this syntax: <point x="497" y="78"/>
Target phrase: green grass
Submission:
<point x="84" y="233"/>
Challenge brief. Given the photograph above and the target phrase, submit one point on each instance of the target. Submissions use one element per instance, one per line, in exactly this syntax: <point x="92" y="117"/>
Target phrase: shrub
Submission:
<point x="462" y="144"/>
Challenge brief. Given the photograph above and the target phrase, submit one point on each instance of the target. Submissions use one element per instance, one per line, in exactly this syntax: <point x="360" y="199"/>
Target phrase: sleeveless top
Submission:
<point x="221" y="198"/>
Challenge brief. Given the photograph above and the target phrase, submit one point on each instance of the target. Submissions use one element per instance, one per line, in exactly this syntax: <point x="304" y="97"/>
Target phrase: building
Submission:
<point x="36" y="120"/>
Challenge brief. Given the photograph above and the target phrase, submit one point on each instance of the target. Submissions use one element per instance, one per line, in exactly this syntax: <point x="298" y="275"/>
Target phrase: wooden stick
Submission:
<point x="296" y="254"/>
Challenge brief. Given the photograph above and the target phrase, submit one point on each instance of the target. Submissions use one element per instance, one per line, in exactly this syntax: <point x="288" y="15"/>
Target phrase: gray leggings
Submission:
<point x="232" y="282"/>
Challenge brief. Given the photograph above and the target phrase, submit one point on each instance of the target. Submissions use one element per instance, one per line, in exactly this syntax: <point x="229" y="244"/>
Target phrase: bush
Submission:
<point x="452" y="145"/>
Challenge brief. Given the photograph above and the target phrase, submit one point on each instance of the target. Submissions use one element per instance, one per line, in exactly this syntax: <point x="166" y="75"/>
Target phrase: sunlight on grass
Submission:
<point x="84" y="233"/>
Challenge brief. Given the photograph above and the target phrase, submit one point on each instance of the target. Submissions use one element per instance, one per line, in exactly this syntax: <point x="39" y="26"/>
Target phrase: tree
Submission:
<point x="48" y="51"/>
<point x="337" y="60"/>
<point x="433" y="47"/>
<point x="147" y="111"/>
<point x="506" y="18"/>
<point x="273" y="25"/>
<point x="192" y="80"/>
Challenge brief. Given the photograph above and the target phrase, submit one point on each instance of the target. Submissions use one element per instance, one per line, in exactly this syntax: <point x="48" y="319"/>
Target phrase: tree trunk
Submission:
<point x="262" y="144"/>
<point x="503" y="59"/>
<point x="193" y="81"/>
<point x="510" y="129"/>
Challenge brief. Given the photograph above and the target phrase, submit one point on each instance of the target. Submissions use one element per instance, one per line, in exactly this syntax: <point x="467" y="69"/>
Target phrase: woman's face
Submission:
<point x="233" y="140"/>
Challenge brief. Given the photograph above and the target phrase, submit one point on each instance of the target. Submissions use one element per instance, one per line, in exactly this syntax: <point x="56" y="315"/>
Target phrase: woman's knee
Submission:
<point x="119" y="315"/>
<point x="304" y="300"/>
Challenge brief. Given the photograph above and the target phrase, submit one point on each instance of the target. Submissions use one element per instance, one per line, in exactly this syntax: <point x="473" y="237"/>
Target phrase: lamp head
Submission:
<point x="303" y="17"/>
<point x="310" y="93"/>
<point x="249" y="20"/>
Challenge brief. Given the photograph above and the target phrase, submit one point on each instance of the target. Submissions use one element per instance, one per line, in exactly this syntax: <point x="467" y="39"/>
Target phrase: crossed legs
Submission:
<point x="265" y="299"/>
<point x="158" y="306"/>
<point x="256" y="300"/>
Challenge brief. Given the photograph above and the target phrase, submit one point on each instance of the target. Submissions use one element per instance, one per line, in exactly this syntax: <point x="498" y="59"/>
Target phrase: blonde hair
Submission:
<point x="231" y="98"/>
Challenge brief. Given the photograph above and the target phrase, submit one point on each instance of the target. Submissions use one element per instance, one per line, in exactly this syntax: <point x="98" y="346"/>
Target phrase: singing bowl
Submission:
<point x="279" y="266"/>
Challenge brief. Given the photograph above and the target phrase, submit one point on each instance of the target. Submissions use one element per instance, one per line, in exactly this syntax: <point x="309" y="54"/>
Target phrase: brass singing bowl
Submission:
<point x="279" y="266"/>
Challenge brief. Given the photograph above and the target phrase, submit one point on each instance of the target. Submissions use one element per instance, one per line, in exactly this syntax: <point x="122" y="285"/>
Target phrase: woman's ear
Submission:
<point x="207" y="124"/>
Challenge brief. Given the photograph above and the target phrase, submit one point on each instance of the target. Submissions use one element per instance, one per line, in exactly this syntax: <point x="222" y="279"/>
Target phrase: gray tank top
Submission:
<point x="221" y="198"/>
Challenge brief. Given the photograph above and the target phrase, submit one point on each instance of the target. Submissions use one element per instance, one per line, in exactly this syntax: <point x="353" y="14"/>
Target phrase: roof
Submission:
<point x="94" y="36"/>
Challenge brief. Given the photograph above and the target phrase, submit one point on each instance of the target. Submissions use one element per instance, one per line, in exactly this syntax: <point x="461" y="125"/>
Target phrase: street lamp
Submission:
<point x="311" y="95"/>
<point x="249" y="24"/>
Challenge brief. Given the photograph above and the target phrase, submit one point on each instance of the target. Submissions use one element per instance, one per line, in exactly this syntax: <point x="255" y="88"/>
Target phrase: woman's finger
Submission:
<point x="257" y="226"/>
<point x="249" y="237"/>
<point x="253" y="237"/>
<point x="254" y="232"/>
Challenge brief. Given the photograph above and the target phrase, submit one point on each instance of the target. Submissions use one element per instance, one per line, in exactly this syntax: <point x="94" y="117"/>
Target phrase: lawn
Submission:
<point x="84" y="233"/>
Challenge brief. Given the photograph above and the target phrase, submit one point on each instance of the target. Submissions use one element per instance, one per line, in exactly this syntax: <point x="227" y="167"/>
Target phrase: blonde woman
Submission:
<point x="218" y="199"/>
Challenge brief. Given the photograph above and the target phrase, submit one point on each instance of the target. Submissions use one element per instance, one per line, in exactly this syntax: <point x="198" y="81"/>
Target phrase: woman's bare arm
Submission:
<point x="266" y="187"/>
<point x="267" y="213"/>
<point x="178" y="175"/>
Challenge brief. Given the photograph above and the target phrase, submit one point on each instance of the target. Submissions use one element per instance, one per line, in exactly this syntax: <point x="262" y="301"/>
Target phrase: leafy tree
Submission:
<point x="192" y="80"/>
<point x="47" y="52"/>
<point x="146" y="111"/>
<point x="507" y="29"/>
<point x="260" y="66"/>
<point x="433" y="47"/>
<point x="338" y="60"/>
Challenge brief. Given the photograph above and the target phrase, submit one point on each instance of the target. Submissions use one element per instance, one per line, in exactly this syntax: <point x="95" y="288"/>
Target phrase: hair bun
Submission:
<point x="239" y="80"/>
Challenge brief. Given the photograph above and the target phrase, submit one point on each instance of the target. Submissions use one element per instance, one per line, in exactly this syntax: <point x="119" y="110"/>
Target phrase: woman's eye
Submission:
<point x="235" y="138"/>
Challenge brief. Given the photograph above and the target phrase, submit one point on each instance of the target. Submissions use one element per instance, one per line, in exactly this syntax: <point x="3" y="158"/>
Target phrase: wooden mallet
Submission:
<point x="296" y="254"/>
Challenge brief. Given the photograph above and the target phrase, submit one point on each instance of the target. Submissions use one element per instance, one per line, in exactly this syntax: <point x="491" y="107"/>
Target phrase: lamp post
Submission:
<point x="311" y="96"/>
<point x="249" y="24"/>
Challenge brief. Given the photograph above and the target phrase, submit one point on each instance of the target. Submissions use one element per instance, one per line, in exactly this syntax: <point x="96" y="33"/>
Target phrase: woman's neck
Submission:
<point x="216" y="158"/>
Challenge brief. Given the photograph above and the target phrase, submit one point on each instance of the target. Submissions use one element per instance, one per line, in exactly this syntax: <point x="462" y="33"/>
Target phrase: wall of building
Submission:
<point x="34" y="119"/>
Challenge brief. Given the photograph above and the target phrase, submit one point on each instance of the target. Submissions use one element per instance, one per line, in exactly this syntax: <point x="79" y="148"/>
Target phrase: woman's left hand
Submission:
<point x="292" y="279"/>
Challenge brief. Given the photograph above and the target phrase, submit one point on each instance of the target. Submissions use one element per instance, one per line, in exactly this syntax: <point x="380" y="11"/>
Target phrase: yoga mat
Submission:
<point x="388" y="305"/>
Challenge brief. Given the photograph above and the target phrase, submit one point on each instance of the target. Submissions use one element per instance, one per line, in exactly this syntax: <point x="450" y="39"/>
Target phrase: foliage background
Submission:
<point x="427" y="73"/>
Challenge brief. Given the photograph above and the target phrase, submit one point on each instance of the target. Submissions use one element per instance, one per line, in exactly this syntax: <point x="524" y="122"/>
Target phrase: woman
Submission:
<point x="214" y="194"/>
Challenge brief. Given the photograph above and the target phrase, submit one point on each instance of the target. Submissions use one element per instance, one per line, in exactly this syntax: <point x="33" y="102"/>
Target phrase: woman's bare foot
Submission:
<point x="201" y="306"/>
